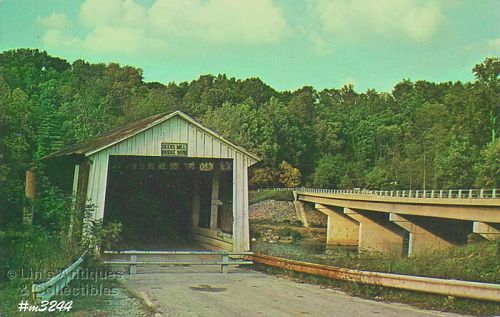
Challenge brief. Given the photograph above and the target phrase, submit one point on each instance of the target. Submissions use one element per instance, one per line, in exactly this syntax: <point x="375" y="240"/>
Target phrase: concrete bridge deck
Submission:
<point x="404" y="222"/>
<point x="474" y="209"/>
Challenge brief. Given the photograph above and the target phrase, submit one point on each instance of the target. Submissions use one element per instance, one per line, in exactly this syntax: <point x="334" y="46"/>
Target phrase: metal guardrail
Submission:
<point x="447" y="287"/>
<point x="45" y="291"/>
<point x="449" y="193"/>
<point x="224" y="262"/>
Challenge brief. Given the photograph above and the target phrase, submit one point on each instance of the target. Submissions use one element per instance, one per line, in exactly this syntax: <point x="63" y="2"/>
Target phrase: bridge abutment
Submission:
<point x="300" y="211"/>
<point x="376" y="232"/>
<point x="341" y="229"/>
<point x="421" y="237"/>
<point x="489" y="231"/>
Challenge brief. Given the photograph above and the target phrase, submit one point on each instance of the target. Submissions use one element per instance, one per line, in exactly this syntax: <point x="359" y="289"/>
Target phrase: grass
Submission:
<point x="33" y="255"/>
<point x="256" y="197"/>
<point x="290" y="232"/>
<point x="91" y="296"/>
<point x="29" y="255"/>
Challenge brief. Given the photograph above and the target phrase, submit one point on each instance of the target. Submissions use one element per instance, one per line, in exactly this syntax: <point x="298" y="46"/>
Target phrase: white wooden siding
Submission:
<point x="200" y="145"/>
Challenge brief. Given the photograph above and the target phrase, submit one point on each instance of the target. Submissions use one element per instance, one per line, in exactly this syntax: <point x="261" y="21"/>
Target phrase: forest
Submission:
<point x="420" y="135"/>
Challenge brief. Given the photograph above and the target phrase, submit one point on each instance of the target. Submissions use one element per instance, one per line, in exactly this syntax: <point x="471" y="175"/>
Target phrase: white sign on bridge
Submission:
<point x="174" y="149"/>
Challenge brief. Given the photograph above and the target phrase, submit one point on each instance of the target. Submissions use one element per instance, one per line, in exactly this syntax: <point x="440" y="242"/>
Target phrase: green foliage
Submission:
<point x="290" y="232"/>
<point x="96" y="233"/>
<point x="265" y="177"/>
<point x="52" y="208"/>
<point x="489" y="70"/>
<point x="420" y="135"/>
<point x="378" y="178"/>
<point x="329" y="172"/>
<point x="488" y="167"/>
<point x="256" y="197"/>
<point x="33" y="248"/>
<point x="245" y="125"/>
<point x="453" y="165"/>
<point x="289" y="176"/>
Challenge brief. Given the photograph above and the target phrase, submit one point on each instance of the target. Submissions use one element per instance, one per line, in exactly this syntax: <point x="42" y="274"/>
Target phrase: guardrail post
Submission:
<point x="459" y="193"/>
<point x="132" y="268"/>
<point x="450" y="194"/>
<point x="481" y="193"/>
<point x="432" y="193"/>
<point x="224" y="268"/>
<point x="493" y="193"/>
<point x="416" y="193"/>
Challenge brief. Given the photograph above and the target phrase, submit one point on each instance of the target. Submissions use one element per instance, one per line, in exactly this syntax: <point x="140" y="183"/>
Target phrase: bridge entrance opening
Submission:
<point x="167" y="203"/>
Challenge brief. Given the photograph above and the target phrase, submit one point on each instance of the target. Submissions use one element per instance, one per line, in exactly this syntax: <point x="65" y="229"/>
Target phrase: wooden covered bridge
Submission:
<point x="166" y="173"/>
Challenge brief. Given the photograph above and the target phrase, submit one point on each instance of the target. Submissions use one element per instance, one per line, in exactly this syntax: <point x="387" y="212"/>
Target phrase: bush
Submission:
<point x="97" y="234"/>
<point x="290" y="232"/>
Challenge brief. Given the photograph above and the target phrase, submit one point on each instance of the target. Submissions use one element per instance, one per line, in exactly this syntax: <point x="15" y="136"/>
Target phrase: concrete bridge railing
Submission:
<point x="415" y="220"/>
<point x="451" y="193"/>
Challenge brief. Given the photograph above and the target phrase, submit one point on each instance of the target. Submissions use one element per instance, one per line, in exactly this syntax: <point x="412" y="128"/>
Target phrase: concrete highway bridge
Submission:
<point x="404" y="222"/>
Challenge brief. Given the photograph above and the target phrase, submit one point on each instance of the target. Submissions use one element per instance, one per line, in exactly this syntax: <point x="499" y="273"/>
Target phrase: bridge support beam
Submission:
<point x="376" y="232"/>
<point x="195" y="209"/>
<point x="299" y="210"/>
<point x="489" y="231"/>
<point x="214" y="210"/>
<point x="421" y="238"/>
<point x="341" y="229"/>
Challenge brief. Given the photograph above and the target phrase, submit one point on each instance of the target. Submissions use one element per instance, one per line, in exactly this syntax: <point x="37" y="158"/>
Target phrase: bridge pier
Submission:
<point x="376" y="232"/>
<point x="422" y="238"/>
<point x="341" y="230"/>
<point x="299" y="210"/>
<point x="488" y="230"/>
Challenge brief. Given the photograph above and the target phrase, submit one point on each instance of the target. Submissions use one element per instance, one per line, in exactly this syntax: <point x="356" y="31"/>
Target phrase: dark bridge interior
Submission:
<point x="153" y="199"/>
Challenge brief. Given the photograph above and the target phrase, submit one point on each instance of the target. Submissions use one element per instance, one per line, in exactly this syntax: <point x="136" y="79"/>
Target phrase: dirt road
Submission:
<point x="191" y="291"/>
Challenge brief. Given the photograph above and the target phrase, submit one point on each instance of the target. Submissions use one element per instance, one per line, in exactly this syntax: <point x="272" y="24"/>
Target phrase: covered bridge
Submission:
<point x="163" y="174"/>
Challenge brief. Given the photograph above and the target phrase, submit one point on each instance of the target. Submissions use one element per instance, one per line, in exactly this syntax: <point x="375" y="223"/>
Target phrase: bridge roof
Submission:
<point x="97" y="144"/>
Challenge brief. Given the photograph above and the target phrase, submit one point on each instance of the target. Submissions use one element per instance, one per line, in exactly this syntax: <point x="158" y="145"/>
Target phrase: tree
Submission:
<point x="264" y="177"/>
<point x="488" y="167"/>
<point x="378" y="177"/>
<point x="454" y="166"/>
<point x="329" y="172"/>
<point x="246" y="126"/>
<point x="289" y="176"/>
<point x="488" y="71"/>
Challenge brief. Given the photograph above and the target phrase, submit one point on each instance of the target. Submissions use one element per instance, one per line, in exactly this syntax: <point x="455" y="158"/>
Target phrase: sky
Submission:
<point x="287" y="43"/>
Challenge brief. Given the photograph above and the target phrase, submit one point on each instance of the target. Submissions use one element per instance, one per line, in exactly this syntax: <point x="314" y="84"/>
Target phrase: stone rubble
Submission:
<point x="272" y="211"/>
